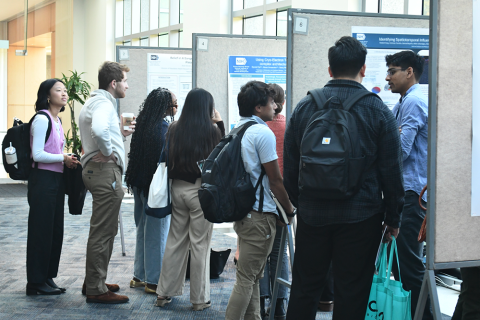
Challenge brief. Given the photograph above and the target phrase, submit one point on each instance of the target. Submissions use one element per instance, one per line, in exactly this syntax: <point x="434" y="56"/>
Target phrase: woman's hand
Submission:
<point x="217" y="117"/>
<point x="70" y="161"/>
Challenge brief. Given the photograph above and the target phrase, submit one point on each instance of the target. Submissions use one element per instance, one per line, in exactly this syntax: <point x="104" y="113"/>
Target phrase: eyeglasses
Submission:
<point x="175" y="104"/>
<point x="392" y="71"/>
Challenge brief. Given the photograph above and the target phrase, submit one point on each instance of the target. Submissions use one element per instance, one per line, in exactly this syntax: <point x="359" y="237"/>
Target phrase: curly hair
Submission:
<point x="146" y="145"/>
<point x="252" y="94"/>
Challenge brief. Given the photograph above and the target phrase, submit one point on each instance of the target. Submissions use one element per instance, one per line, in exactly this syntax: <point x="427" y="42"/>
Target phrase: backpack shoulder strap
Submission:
<point x="354" y="98"/>
<point x="49" y="129"/>
<point x="319" y="97"/>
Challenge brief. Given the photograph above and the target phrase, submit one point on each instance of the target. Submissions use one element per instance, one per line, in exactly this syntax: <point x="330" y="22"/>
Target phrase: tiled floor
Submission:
<point x="14" y="304"/>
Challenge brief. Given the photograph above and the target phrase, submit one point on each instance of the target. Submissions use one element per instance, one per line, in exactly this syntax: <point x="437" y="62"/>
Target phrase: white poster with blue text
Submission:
<point x="382" y="41"/>
<point x="242" y="69"/>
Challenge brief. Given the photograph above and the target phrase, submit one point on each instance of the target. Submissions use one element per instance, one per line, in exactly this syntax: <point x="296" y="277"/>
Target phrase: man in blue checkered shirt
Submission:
<point x="344" y="232"/>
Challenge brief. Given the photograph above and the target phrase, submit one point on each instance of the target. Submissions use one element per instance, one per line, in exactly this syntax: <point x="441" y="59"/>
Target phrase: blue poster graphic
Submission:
<point x="257" y="65"/>
<point x="393" y="41"/>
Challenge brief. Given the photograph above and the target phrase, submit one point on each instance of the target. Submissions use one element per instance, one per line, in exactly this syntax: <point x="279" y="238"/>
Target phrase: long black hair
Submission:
<point x="193" y="136"/>
<point x="146" y="145"/>
<point x="44" y="92"/>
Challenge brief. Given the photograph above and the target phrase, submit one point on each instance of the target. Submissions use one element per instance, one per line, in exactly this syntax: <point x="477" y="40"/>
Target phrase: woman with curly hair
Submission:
<point x="191" y="139"/>
<point x="147" y="143"/>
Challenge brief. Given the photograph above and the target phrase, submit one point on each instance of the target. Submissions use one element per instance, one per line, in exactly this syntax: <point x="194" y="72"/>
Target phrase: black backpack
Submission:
<point x="331" y="161"/>
<point x="227" y="193"/>
<point x="19" y="137"/>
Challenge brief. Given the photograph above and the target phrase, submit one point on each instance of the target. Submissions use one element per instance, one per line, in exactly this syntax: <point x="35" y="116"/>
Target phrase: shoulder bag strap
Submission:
<point x="319" y="97"/>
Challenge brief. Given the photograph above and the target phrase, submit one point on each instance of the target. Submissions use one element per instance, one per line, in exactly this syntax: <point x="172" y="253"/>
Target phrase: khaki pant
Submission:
<point x="104" y="181"/>
<point x="256" y="233"/>
<point x="188" y="229"/>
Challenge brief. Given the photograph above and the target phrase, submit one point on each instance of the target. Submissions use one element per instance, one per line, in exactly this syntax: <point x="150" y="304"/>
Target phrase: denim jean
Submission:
<point x="268" y="280"/>
<point x="151" y="240"/>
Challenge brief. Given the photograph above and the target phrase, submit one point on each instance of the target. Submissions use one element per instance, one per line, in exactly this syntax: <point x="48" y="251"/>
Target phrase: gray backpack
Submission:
<point x="331" y="161"/>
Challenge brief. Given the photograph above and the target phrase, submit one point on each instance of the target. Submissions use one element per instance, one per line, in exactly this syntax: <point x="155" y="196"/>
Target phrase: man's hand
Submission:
<point x="390" y="232"/>
<point x="99" y="157"/>
<point x="126" y="133"/>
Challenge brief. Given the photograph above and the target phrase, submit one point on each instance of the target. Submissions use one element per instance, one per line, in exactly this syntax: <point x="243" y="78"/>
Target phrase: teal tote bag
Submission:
<point x="378" y="278"/>
<point x="393" y="302"/>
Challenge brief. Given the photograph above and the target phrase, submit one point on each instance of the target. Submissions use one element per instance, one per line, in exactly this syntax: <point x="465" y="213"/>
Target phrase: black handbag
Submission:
<point x="218" y="260"/>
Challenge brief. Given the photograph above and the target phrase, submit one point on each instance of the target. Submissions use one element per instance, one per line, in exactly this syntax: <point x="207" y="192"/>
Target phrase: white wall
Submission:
<point x="201" y="18"/>
<point x="93" y="38"/>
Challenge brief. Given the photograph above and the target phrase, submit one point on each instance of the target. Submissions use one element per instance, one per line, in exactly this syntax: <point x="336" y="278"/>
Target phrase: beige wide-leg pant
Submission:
<point x="188" y="229"/>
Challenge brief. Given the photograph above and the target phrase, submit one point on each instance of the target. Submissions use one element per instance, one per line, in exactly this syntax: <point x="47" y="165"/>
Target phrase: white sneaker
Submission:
<point x="202" y="306"/>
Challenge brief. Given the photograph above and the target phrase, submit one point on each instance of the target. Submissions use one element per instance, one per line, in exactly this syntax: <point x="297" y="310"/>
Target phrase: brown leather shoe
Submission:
<point x="108" y="297"/>
<point x="325" y="306"/>
<point x="110" y="287"/>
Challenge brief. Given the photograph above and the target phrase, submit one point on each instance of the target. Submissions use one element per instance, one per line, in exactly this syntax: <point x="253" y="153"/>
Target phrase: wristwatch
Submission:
<point x="291" y="215"/>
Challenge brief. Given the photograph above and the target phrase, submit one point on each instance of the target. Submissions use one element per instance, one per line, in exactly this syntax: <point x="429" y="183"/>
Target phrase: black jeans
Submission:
<point x="468" y="305"/>
<point x="410" y="251"/>
<point x="46" y="197"/>
<point x="352" y="249"/>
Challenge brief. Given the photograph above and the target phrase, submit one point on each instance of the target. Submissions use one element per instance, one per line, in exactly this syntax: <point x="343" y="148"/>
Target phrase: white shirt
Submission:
<point x="259" y="146"/>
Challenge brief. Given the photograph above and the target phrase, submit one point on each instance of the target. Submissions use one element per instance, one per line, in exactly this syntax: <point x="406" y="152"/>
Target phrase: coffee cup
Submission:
<point x="127" y="120"/>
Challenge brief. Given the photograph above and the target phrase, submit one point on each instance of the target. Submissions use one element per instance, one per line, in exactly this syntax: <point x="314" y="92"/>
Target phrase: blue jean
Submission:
<point x="268" y="280"/>
<point x="151" y="240"/>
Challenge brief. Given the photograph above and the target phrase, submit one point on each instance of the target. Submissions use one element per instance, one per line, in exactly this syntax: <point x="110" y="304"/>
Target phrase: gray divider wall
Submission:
<point x="455" y="230"/>
<point x="308" y="57"/>
<point x="210" y="68"/>
<point x="137" y="78"/>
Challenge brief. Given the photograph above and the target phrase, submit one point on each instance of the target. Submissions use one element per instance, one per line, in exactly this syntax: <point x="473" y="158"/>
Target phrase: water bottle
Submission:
<point x="11" y="155"/>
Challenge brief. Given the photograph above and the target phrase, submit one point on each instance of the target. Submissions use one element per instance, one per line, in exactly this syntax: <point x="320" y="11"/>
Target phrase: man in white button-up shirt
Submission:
<point x="103" y="164"/>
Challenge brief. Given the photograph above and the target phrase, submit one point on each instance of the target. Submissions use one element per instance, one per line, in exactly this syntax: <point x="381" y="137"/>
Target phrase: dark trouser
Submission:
<point x="327" y="294"/>
<point x="352" y="249"/>
<point x="410" y="251"/>
<point x="468" y="305"/>
<point x="46" y="197"/>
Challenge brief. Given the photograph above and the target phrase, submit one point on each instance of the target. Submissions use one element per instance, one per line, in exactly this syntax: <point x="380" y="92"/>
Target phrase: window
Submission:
<point x="135" y="16"/>
<point x="119" y="20"/>
<point x="393" y="6"/>
<point x="371" y="6"/>
<point x="253" y="25"/>
<point x="127" y="17"/>
<point x="237" y="5"/>
<point x="145" y="15"/>
<point x="426" y="7"/>
<point x="154" y="14"/>
<point x="281" y="23"/>
<point x="144" y="42"/>
<point x="252" y="3"/>
<point x="164" y="13"/>
<point x="163" y="40"/>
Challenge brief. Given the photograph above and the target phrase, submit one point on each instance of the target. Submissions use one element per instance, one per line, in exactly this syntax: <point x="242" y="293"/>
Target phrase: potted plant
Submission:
<point x="78" y="91"/>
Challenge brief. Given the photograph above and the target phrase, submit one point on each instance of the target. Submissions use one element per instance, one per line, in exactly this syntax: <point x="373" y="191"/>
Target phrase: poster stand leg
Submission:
<point x="286" y="232"/>
<point x="122" y="239"/>
<point x="429" y="287"/>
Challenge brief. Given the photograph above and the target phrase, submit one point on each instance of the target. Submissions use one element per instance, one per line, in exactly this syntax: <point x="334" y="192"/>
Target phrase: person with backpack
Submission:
<point x="147" y="144"/>
<point x="343" y="169"/>
<point x="405" y="69"/>
<point x="189" y="140"/>
<point x="46" y="190"/>
<point x="256" y="231"/>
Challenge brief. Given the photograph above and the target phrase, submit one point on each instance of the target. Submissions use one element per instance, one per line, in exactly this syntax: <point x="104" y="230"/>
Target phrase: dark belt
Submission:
<point x="270" y="213"/>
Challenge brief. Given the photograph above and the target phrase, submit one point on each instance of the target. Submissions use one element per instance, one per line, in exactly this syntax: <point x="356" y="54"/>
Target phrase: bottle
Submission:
<point x="11" y="155"/>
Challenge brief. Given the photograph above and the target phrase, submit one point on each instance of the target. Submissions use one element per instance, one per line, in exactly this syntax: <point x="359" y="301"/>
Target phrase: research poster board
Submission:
<point x="475" y="211"/>
<point x="242" y="69"/>
<point x="382" y="41"/>
<point x="171" y="71"/>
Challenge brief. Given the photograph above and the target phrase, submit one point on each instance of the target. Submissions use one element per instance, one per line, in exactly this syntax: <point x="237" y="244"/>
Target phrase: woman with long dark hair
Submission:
<point x="148" y="140"/>
<point x="191" y="139"/>
<point x="46" y="190"/>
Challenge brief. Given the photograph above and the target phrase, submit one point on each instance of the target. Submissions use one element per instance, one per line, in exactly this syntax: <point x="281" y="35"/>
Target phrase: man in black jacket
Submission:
<point x="344" y="232"/>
